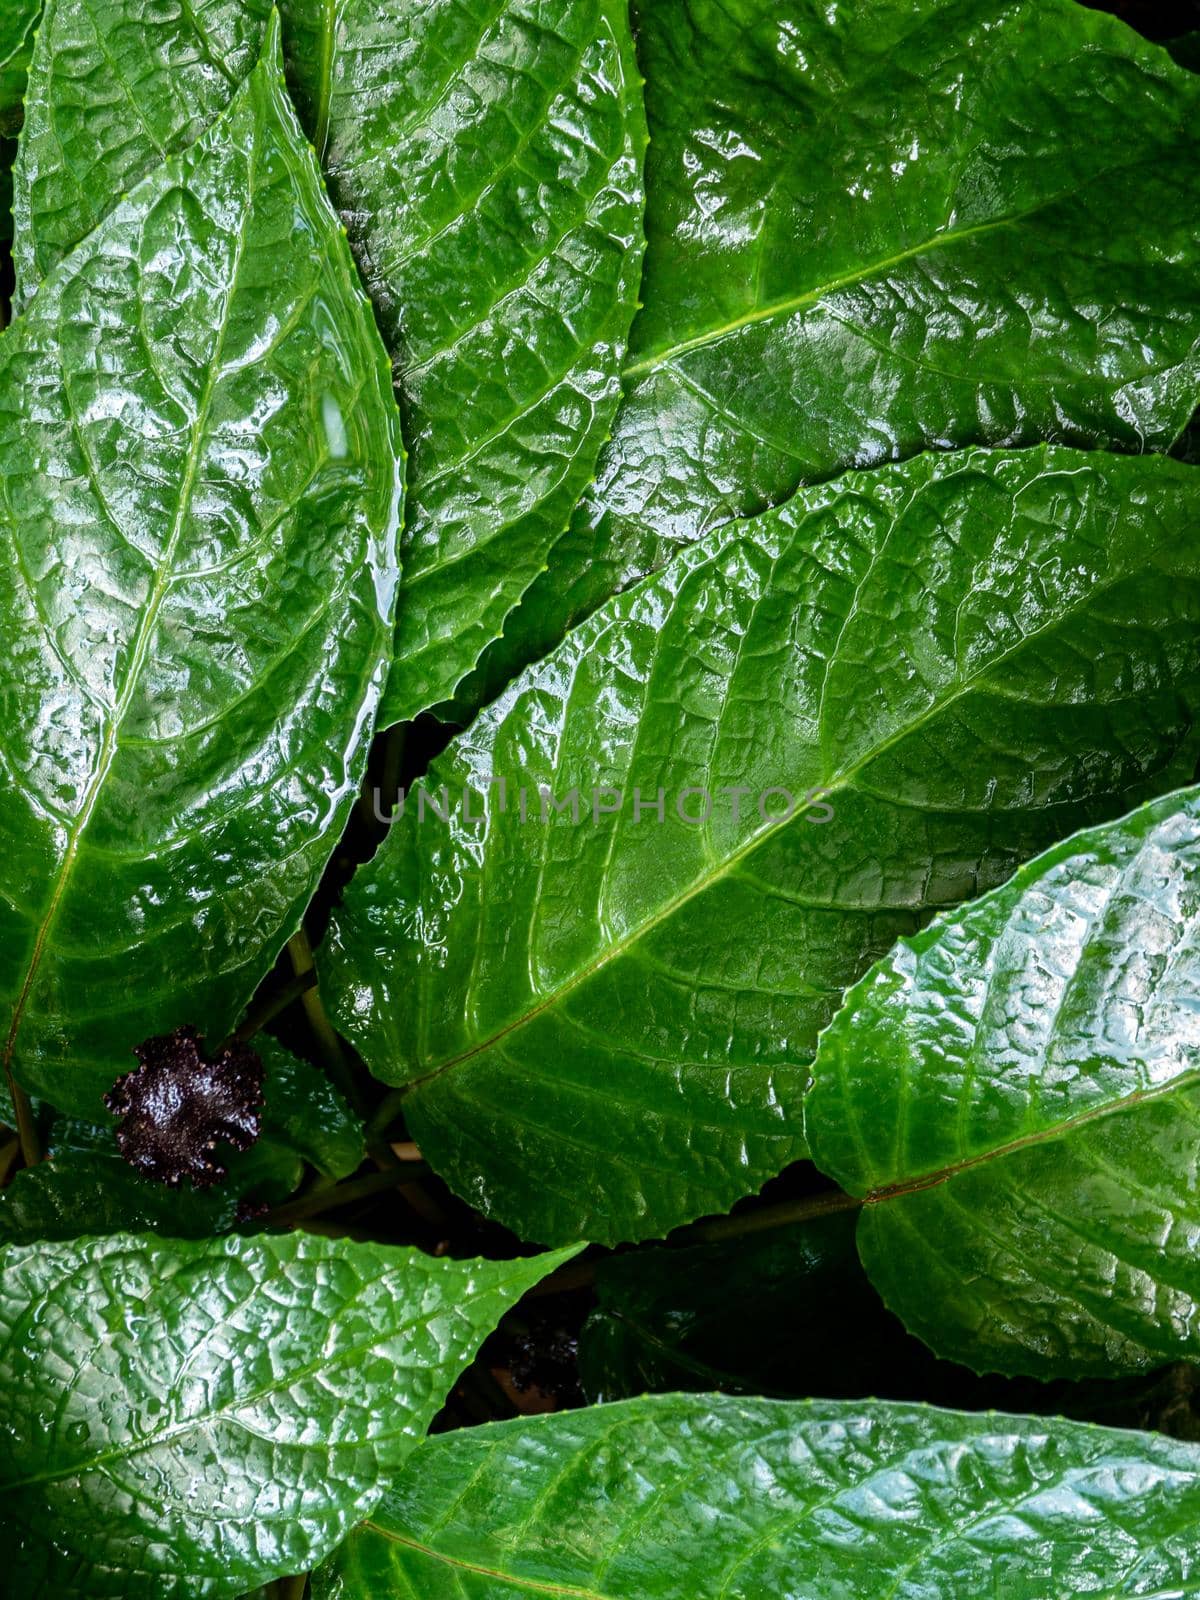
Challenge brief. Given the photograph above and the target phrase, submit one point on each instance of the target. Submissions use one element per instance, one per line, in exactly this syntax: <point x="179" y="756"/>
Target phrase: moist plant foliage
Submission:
<point x="599" y="808"/>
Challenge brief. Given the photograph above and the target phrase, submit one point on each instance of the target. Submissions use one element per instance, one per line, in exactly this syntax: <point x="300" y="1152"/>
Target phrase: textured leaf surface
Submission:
<point x="17" y="24"/>
<point x="1016" y="1092"/>
<point x="191" y="1419"/>
<point x="487" y="161"/>
<point x="677" y="1498"/>
<point x="878" y="228"/>
<point x="198" y="509"/>
<point x="606" y="1024"/>
<point x="115" y="87"/>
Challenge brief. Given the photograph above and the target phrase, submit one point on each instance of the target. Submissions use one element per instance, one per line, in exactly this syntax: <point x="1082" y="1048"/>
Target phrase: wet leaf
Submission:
<point x="192" y="1419"/>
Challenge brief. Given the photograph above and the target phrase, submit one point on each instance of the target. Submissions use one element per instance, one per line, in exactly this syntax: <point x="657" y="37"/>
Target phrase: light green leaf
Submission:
<point x="198" y="513"/>
<point x="1015" y="1093"/>
<point x="606" y="1024"/>
<point x="486" y="159"/>
<point x="877" y="228"/>
<point x="676" y="1498"/>
<point x="191" y="1419"/>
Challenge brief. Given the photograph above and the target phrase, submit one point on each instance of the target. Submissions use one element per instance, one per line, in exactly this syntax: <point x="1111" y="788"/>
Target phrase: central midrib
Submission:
<point x="530" y="1585"/>
<point x="809" y="297"/>
<point x="109" y="743"/>
<point x="1027" y="1141"/>
<point x="833" y="787"/>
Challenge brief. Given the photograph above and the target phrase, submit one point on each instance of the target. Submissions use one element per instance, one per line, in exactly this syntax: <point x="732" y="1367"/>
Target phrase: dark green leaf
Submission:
<point x="676" y="1498"/>
<point x="97" y="1193"/>
<point x="191" y="1419"/>
<point x="1186" y="50"/>
<point x="303" y="1111"/>
<point x="1015" y="1094"/>
<point x="783" y="1312"/>
<point x="18" y="21"/>
<point x="198" y="509"/>
<point x="790" y="1311"/>
<point x="487" y="161"/>
<point x="86" y="1188"/>
<point x="880" y="227"/>
<point x="606" y="1024"/>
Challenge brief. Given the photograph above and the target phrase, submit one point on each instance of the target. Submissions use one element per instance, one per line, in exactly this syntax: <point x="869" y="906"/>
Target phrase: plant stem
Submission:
<point x="292" y="1588"/>
<point x="388" y="1109"/>
<point x="317" y="1201"/>
<point x="258" y="1016"/>
<point x="780" y="1216"/>
<point x="582" y="1274"/>
<point x="8" y="1156"/>
<point x="31" y="1146"/>
<point x="329" y="1046"/>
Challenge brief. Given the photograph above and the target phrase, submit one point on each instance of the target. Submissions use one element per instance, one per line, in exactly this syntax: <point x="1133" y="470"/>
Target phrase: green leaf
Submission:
<point x="18" y="23"/>
<point x="1186" y="50"/>
<point x="93" y="1192"/>
<point x="1015" y="1093"/>
<point x="606" y="1025"/>
<point x="198" y="512"/>
<point x="301" y="1109"/>
<point x="725" y="1500"/>
<point x="192" y="1419"/>
<point x="115" y="87"/>
<point x="881" y="227"/>
<point x="487" y="161"/>
<point x="789" y="1311"/>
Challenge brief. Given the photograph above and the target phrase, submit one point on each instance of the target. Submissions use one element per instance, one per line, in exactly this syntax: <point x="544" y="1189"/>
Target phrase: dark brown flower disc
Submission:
<point x="178" y="1105"/>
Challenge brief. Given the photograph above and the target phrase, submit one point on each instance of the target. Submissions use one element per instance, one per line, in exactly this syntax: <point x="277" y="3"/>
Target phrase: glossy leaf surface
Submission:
<point x="115" y="87"/>
<point x="606" y="1023"/>
<point x="304" y="1111"/>
<point x="191" y="1419"/>
<point x="882" y="227"/>
<point x="95" y="1192"/>
<point x="675" y="1498"/>
<point x="1016" y="1093"/>
<point x="198" y="513"/>
<point x="487" y="162"/>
